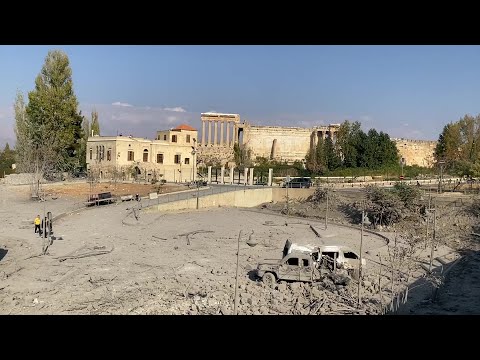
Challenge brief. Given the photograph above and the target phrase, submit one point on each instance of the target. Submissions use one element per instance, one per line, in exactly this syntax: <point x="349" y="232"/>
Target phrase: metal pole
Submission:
<point x="198" y="192"/>
<point x="428" y="218"/>
<point x="441" y="177"/>
<point x="236" y="276"/>
<point x="326" y="213"/>
<point x="288" y="209"/>
<point x="433" y="238"/>
<point x="360" y="262"/>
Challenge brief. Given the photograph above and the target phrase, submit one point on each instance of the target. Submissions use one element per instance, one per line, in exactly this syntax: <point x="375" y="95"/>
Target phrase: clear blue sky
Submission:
<point x="406" y="91"/>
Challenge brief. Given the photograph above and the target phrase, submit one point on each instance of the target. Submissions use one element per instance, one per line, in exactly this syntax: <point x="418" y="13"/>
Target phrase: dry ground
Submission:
<point x="148" y="267"/>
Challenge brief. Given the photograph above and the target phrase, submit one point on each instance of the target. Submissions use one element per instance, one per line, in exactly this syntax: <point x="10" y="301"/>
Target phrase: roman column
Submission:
<point x="209" y="139"/>
<point x="215" y="140"/>
<point x="228" y="133"/>
<point x="203" y="132"/>
<point x="231" y="175"/>
<point x="221" y="132"/>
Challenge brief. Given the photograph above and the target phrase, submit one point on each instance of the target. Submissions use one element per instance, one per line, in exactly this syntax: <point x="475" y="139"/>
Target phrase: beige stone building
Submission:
<point x="416" y="152"/>
<point x="170" y="156"/>
<point x="221" y="131"/>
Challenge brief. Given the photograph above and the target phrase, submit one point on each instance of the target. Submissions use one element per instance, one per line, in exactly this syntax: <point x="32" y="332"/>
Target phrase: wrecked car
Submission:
<point x="295" y="266"/>
<point x="342" y="256"/>
<point x="306" y="262"/>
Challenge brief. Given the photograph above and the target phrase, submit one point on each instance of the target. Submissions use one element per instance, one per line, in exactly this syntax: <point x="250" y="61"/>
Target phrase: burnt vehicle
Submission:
<point x="296" y="266"/>
<point x="306" y="263"/>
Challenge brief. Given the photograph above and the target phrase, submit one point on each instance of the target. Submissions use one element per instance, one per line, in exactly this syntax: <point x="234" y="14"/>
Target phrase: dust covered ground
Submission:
<point x="457" y="231"/>
<point x="146" y="266"/>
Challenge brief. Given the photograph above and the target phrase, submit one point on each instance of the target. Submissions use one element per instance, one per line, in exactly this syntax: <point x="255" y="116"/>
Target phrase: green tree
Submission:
<point x="311" y="160"/>
<point x="320" y="156"/>
<point x="349" y="139"/>
<point x="23" y="150"/>
<point x="386" y="152"/>
<point x="7" y="158"/>
<point x="95" y="125"/>
<point x="55" y="125"/>
<point x="333" y="160"/>
<point x="242" y="155"/>
<point x="82" y="155"/>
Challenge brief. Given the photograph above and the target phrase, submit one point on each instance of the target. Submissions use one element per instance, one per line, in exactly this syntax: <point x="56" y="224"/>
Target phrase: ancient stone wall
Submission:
<point x="291" y="143"/>
<point x="416" y="152"/>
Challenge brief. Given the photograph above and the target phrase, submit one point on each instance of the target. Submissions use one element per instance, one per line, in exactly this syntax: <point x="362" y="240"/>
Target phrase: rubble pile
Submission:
<point x="336" y="294"/>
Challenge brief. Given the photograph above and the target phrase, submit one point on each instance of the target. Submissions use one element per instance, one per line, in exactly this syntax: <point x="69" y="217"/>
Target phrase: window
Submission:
<point x="177" y="159"/>
<point x="305" y="262"/>
<point x="174" y="138"/>
<point x="98" y="154"/>
<point x="145" y="155"/>
<point x="330" y="254"/>
<point x="165" y="137"/>
<point x="130" y="156"/>
<point x="187" y="161"/>
<point x="292" y="261"/>
<point x="109" y="155"/>
<point x="159" y="158"/>
<point x="349" y="255"/>
<point x="188" y="138"/>
<point x="91" y="153"/>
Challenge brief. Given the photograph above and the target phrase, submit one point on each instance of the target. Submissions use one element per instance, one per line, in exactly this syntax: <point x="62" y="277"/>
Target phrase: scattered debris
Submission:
<point x="94" y="251"/>
<point x="187" y="235"/>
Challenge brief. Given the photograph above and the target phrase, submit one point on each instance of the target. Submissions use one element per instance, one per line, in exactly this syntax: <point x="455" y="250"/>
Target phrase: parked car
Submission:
<point x="303" y="183"/>
<point x="196" y="183"/>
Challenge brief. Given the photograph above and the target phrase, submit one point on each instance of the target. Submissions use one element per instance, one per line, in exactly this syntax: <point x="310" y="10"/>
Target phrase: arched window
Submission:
<point x="98" y="155"/>
<point x="145" y="155"/>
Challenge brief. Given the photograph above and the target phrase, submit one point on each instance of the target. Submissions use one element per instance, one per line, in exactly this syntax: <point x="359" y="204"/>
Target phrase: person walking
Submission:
<point x="37" y="223"/>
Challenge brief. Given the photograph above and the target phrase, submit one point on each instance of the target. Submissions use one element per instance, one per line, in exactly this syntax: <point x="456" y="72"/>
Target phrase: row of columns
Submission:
<point x="331" y="134"/>
<point x="231" y="130"/>
<point x="245" y="173"/>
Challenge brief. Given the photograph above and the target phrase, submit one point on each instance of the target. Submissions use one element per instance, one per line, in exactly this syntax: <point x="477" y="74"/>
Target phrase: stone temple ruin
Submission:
<point x="174" y="154"/>
<point x="282" y="143"/>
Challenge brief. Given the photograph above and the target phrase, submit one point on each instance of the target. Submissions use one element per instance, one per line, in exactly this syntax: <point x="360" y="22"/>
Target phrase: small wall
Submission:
<point x="18" y="179"/>
<point x="241" y="198"/>
<point x="280" y="194"/>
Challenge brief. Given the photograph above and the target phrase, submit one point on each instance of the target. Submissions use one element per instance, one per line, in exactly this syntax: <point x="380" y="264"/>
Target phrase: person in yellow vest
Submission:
<point x="37" y="225"/>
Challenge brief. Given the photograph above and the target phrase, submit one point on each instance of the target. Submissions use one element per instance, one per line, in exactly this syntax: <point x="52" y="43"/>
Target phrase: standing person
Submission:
<point x="37" y="223"/>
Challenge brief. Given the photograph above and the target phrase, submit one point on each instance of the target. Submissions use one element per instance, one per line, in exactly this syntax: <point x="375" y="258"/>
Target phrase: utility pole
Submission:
<point x="365" y="221"/>
<point x="428" y="217"/>
<point x="287" y="180"/>
<point x="236" y="276"/>
<point x="360" y="262"/>
<point x="441" y="163"/>
<point x="433" y="238"/>
<point x="326" y="213"/>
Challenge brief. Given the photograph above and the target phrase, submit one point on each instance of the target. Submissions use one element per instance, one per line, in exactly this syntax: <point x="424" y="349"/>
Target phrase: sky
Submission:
<point x="405" y="91"/>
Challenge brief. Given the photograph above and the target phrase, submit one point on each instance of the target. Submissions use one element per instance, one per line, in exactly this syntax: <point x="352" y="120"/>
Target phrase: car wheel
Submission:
<point x="269" y="278"/>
